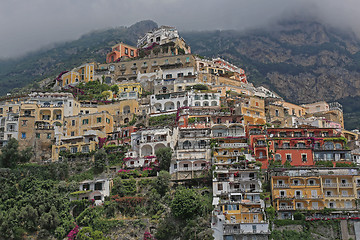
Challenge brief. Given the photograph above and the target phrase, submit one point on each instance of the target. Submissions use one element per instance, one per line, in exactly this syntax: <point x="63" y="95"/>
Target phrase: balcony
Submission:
<point x="332" y="196"/>
<point x="186" y="169"/>
<point x="234" y="145"/>
<point x="282" y="208"/>
<point x="346" y="185"/>
<point x="330" y="185"/>
<point x="281" y="185"/>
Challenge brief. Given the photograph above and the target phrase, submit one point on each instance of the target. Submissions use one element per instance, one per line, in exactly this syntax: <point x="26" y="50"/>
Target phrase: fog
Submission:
<point x="26" y="26"/>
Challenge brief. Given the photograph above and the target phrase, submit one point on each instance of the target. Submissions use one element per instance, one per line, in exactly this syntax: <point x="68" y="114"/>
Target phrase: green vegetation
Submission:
<point x="11" y="156"/>
<point x="162" y="120"/>
<point x="163" y="155"/>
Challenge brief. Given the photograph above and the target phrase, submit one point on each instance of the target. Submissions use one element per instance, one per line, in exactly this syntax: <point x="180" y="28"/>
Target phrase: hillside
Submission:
<point x="65" y="56"/>
<point x="302" y="61"/>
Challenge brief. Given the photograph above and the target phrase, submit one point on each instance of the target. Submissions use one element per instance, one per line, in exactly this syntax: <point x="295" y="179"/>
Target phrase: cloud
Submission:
<point x="29" y="25"/>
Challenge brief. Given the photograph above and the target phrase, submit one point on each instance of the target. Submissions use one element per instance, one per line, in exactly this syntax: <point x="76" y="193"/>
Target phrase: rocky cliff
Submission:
<point x="303" y="61"/>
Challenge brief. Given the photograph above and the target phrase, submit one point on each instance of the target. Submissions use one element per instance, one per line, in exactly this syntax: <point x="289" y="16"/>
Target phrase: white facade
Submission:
<point x="160" y="36"/>
<point x="146" y="142"/>
<point x="168" y="102"/>
<point x="203" y="99"/>
<point x="93" y="189"/>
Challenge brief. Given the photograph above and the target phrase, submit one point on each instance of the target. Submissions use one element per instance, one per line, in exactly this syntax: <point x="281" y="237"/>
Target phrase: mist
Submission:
<point x="27" y="26"/>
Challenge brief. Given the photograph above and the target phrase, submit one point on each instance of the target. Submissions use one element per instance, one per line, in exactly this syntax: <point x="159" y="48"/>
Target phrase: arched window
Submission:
<point x="187" y="144"/>
<point x="329" y="146"/>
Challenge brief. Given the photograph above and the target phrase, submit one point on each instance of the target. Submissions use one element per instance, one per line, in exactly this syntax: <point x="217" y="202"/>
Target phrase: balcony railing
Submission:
<point x="330" y="185"/>
<point x="346" y="185"/>
<point x="286" y="208"/>
<point x="281" y="185"/>
<point x="234" y="145"/>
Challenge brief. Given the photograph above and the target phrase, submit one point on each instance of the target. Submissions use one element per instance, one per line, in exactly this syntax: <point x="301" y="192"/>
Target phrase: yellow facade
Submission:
<point x="80" y="124"/>
<point x="253" y="109"/>
<point x="72" y="147"/>
<point x="84" y="73"/>
<point x="292" y="109"/>
<point x="315" y="192"/>
<point x="130" y="87"/>
<point x="242" y="213"/>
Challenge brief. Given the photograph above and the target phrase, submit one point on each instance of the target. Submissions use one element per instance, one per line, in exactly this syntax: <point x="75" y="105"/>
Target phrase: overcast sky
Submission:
<point x="27" y="25"/>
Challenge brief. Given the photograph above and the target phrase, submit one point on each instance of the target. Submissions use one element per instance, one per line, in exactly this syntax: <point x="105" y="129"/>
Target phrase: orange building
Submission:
<point x="121" y="50"/>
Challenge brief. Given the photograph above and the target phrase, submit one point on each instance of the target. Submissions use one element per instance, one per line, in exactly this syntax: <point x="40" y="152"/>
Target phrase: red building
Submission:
<point x="121" y="50"/>
<point x="298" y="146"/>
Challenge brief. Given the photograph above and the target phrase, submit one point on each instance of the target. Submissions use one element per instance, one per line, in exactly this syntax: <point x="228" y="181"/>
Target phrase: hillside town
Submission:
<point x="265" y="158"/>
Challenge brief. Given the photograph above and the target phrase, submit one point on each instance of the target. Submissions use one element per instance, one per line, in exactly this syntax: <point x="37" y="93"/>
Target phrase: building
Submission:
<point x="96" y="189"/>
<point x="84" y="73"/>
<point x="303" y="189"/>
<point x="121" y="50"/>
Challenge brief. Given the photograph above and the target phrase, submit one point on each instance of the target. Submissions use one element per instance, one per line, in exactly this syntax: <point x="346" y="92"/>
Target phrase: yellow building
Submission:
<point x="130" y="87"/>
<point x="73" y="145"/>
<point x="123" y="111"/>
<point x="84" y="73"/>
<point x="253" y="110"/>
<point x="80" y="124"/>
<point x="314" y="189"/>
<point x="292" y="109"/>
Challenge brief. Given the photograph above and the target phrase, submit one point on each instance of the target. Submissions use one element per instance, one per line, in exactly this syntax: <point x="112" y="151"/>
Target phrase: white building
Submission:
<point x="168" y="102"/>
<point x="203" y="99"/>
<point x="160" y="36"/>
<point x="96" y="189"/>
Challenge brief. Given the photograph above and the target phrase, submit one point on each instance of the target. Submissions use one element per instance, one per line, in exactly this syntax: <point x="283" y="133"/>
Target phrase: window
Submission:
<point x="180" y="74"/>
<point x="187" y="59"/>
<point x="48" y="136"/>
<point x="98" y="186"/>
<point x="277" y="157"/>
<point x="23" y="135"/>
<point x="85" y="121"/>
<point x="24" y="123"/>
<point x="72" y="122"/>
<point x="304" y="157"/>
<point x="311" y="182"/>
<point x="288" y="157"/>
<point x="97" y="197"/>
<point x="126" y="51"/>
<point x="166" y="61"/>
<point x="98" y="120"/>
<point x="73" y="149"/>
<point x="37" y="135"/>
<point x="282" y="193"/>
<point x="72" y="133"/>
<point x="168" y="75"/>
<point x="86" y="187"/>
<point x="220" y="186"/>
<point x="276" y="112"/>
<point x="132" y="53"/>
<point x="85" y="149"/>
<point x="107" y="120"/>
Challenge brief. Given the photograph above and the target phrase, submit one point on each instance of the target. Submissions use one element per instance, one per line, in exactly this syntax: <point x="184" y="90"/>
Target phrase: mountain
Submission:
<point x="50" y="62"/>
<point x="303" y="61"/>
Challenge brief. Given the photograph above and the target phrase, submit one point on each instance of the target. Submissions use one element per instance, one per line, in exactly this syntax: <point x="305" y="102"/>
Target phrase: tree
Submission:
<point x="10" y="154"/>
<point x="161" y="183"/>
<point x="100" y="161"/>
<point x="163" y="155"/>
<point x="186" y="204"/>
<point x="115" y="89"/>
